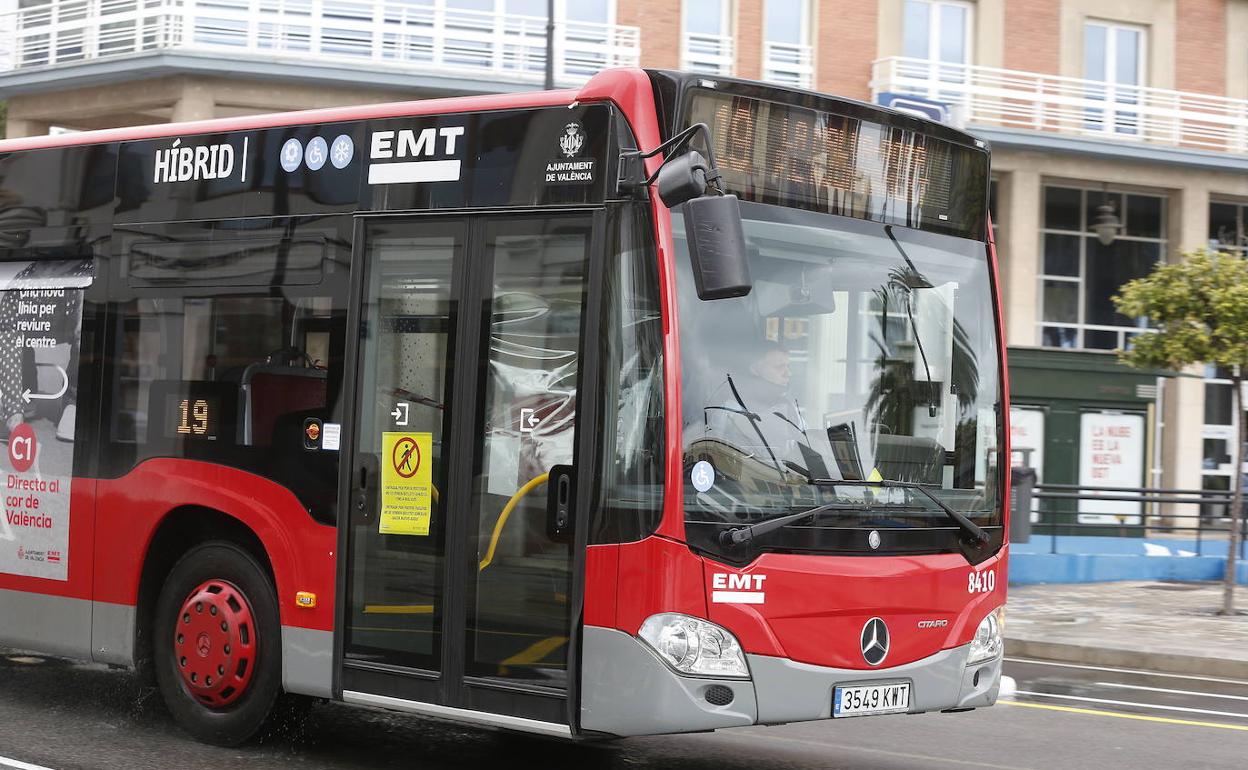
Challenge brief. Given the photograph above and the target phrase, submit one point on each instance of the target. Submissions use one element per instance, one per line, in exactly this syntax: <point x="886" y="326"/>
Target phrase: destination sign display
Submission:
<point x="817" y="160"/>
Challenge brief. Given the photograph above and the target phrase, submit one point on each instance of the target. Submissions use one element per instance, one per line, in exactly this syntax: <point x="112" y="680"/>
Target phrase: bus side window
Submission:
<point x="632" y="428"/>
<point x="231" y="374"/>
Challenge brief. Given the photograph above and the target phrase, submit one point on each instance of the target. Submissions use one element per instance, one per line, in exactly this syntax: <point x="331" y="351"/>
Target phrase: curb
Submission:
<point x="1161" y="662"/>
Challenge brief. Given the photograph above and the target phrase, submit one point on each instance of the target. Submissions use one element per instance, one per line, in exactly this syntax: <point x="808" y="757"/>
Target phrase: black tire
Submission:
<point x="244" y="718"/>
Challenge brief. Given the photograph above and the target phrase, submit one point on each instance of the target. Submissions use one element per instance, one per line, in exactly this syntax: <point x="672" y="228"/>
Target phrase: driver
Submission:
<point x="773" y="370"/>
<point x="762" y="397"/>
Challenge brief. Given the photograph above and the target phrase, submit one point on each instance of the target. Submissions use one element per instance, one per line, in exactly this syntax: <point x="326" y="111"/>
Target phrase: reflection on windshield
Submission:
<point x="864" y="352"/>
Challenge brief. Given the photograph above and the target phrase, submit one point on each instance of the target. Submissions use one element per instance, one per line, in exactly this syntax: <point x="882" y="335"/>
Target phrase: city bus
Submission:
<point x="670" y="403"/>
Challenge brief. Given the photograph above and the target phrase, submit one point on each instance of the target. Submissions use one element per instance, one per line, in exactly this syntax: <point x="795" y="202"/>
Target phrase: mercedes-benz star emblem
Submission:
<point x="873" y="540"/>
<point x="875" y="641"/>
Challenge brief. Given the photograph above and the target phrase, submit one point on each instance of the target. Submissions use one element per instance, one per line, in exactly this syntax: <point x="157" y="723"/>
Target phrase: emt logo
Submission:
<point x="735" y="588"/>
<point x="433" y="146"/>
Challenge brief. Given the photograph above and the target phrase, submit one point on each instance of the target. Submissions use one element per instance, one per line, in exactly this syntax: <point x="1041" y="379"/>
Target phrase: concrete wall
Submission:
<point x="177" y="99"/>
<point x="1097" y="568"/>
<point x="1237" y="55"/>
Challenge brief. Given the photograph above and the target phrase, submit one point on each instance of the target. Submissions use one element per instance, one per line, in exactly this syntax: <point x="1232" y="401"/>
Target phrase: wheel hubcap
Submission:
<point x="214" y="643"/>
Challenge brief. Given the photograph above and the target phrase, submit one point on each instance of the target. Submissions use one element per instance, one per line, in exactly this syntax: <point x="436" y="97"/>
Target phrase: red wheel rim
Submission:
<point x="215" y="644"/>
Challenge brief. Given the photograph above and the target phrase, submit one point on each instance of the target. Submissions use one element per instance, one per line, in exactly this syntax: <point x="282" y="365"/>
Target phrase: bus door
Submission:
<point x="459" y="570"/>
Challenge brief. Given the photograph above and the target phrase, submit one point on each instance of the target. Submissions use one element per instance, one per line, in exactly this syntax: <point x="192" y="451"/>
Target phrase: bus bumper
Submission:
<point x="787" y="691"/>
<point x="627" y="690"/>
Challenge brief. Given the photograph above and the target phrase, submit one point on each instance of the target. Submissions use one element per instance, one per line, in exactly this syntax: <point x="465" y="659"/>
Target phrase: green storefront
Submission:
<point x="1083" y="418"/>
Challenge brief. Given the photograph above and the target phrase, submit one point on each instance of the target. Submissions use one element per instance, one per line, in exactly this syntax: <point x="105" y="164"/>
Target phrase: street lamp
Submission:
<point x="550" y="44"/>
<point x="1106" y="224"/>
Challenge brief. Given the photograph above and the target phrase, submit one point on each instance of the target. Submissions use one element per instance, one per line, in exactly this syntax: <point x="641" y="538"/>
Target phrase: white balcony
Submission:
<point x="710" y="54"/>
<point x="788" y="64"/>
<point x="425" y="37"/>
<point x="991" y="97"/>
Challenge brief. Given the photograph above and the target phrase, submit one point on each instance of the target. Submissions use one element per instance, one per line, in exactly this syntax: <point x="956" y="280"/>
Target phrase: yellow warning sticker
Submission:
<point x="875" y="476"/>
<point x="406" y="483"/>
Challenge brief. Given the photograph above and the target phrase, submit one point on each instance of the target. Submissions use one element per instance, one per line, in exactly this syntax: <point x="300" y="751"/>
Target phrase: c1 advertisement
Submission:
<point x="40" y="334"/>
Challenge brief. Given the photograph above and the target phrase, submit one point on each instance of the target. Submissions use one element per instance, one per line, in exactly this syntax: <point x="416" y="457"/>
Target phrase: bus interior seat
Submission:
<point x="268" y="391"/>
<point x="913" y="459"/>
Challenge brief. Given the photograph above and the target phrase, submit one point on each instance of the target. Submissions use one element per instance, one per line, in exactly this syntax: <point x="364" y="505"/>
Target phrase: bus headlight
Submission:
<point x="987" y="643"/>
<point x="693" y="646"/>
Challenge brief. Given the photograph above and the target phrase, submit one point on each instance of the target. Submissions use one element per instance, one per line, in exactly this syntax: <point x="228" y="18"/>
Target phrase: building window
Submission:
<point x="1079" y="275"/>
<point x="936" y="34"/>
<point x="707" y="39"/>
<point x="1228" y="227"/>
<point x="787" y="54"/>
<point x="1113" y="57"/>
<point x="937" y="30"/>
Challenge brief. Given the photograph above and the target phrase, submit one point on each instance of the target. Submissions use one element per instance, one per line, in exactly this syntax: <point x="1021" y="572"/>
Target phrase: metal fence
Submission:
<point x="425" y="35"/>
<point x="1199" y="516"/>
<point x="989" y="96"/>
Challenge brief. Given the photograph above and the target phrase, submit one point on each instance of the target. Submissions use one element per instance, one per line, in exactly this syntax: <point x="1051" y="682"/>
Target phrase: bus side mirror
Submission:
<point x="717" y="247"/>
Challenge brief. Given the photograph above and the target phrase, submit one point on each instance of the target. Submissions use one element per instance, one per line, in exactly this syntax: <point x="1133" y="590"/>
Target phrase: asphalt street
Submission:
<point x="66" y="716"/>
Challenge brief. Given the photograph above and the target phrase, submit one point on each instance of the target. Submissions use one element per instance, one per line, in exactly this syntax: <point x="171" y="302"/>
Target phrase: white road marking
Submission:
<point x="1173" y="692"/>
<point x="926" y="760"/>
<point x="1126" y="671"/>
<point x="1132" y="703"/>
<point x="19" y="765"/>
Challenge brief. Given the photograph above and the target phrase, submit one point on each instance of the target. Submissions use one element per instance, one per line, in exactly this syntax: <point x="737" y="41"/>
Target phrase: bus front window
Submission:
<point x="865" y="353"/>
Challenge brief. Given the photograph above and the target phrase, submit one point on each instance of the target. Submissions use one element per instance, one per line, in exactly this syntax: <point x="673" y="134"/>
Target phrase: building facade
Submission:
<point x="1138" y="108"/>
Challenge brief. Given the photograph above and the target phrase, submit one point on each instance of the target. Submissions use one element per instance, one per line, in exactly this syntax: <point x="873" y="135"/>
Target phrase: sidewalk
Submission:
<point x="1159" y="626"/>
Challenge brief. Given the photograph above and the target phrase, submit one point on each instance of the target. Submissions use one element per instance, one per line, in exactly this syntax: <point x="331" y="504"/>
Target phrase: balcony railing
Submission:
<point x="788" y="64"/>
<point x="404" y="36"/>
<point x="711" y="54"/>
<point x="987" y="96"/>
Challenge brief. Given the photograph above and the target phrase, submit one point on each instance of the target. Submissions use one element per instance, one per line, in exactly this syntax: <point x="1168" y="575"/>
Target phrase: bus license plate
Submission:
<point x="887" y="698"/>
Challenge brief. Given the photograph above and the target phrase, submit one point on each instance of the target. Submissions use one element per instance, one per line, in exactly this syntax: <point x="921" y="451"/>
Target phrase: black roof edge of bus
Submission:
<point x="670" y="85"/>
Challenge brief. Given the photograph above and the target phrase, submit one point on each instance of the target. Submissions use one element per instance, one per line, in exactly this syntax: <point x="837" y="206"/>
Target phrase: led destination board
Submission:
<point x="794" y="156"/>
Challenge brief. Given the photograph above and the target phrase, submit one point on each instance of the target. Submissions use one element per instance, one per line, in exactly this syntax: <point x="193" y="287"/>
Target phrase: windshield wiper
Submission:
<point x="909" y="281"/>
<point x="974" y="537"/>
<point x="970" y="528"/>
<point x="730" y="538"/>
<point x="754" y="419"/>
<point x="971" y="545"/>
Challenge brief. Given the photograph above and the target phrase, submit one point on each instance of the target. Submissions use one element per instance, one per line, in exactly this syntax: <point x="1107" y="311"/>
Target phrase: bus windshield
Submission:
<point x="865" y="353"/>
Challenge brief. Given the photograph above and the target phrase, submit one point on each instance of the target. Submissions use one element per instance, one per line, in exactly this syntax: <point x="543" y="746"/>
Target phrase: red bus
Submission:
<point x="666" y="404"/>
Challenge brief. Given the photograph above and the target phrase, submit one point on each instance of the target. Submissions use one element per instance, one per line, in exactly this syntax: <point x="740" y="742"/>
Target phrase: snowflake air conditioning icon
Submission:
<point x="572" y="139"/>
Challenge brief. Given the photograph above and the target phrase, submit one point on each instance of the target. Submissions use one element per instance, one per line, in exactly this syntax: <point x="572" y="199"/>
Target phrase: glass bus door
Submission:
<point x="459" y="564"/>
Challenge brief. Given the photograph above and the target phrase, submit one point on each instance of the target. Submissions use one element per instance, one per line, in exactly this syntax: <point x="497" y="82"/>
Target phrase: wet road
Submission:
<point x="1160" y="696"/>
<point x="65" y="716"/>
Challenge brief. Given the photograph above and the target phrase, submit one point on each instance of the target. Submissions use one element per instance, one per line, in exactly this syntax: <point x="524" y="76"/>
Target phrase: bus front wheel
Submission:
<point x="217" y="644"/>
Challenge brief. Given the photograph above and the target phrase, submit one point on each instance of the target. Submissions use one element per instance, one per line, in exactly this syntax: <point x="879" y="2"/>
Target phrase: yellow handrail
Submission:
<point x="532" y="484"/>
